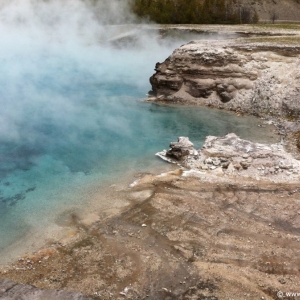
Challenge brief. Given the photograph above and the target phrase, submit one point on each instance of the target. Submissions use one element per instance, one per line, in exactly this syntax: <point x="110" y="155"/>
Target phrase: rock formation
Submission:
<point x="256" y="79"/>
<point x="181" y="148"/>
<point x="10" y="290"/>
<point x="230" y="155"/>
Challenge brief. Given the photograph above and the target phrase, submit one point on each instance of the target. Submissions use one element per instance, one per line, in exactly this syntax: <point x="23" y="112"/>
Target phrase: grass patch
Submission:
<point x="290" y="40"/>
<point x="287" y="26"/>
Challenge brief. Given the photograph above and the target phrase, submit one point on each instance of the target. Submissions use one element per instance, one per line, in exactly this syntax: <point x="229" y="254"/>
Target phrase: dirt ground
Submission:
<point x="181" y="238"/>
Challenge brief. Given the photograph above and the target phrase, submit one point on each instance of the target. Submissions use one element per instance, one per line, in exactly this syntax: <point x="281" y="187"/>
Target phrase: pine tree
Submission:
<point x="194" y="11"/>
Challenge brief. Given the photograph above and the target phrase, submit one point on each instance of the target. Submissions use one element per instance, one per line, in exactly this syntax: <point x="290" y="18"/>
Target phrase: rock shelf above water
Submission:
<point x="230" y="155"/>
<point x="250" y="78"/>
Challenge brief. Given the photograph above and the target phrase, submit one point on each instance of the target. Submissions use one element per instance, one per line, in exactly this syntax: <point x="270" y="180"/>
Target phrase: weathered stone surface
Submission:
<point x="219" y="236"/>
<point x="231" y="155"/>
<point x="10" y="290"/>
<point x="181" y="148"/>
<point x="255" y="79"/>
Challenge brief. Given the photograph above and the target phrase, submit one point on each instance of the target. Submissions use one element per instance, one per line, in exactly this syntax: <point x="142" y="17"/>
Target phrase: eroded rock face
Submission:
<point x="252" y="79"/>
<point x="180" y="149"/>
<point x="10" y="290"/>
<point x="230" y="155"/>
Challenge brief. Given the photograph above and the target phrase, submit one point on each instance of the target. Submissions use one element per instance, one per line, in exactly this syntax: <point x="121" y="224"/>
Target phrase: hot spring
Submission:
<point x="72" y="118"/>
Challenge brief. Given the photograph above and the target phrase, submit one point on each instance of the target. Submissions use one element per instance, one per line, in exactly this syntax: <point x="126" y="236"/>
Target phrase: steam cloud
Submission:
<point x="65" y="106"/>
<point x="59" y="70"/>
<point x="70" y="76"/>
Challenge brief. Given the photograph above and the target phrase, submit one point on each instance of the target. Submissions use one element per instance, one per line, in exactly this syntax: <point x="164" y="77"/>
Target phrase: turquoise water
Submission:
<point x="66" y="131"/>
<point x="71" y="114"/>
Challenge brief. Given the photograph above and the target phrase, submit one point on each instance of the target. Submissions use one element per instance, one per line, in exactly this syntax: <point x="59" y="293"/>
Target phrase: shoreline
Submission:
<point x="99" y="205"/>
<point x="168" y="225"/>
<point x="102" y="200"/>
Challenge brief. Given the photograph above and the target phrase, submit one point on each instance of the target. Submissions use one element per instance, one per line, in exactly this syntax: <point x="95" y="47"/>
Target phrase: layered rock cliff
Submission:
<point x="251" y="78"/>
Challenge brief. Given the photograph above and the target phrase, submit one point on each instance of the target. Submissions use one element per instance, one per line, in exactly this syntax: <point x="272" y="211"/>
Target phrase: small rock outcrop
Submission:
<point x="255" y="79"/>
<point x="180" y="149"/>
<point x="10" y="290"/>
<point x="230" y="155"/>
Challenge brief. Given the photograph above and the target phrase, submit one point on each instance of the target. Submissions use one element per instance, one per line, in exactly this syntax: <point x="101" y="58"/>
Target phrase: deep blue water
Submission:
<point x="71" y="113"/>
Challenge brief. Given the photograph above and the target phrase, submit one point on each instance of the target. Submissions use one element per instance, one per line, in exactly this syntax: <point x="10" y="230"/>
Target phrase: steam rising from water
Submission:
<point x="69" y="106"/>
<point x="55" y="63"/>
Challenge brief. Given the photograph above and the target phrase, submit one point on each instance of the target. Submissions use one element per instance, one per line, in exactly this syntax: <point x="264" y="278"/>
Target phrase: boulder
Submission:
<point x="183" y="147"/>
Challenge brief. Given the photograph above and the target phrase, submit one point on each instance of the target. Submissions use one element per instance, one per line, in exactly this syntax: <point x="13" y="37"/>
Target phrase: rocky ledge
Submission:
<point x="10" y="290"/>
<point x="257" y="79"/>
<point x="232" y="156"/>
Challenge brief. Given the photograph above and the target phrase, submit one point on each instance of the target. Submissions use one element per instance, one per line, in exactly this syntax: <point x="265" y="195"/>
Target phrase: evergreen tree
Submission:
<point x="195" y="11"/>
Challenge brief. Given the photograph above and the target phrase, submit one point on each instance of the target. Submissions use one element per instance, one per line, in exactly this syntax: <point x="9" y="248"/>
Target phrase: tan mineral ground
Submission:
<point x="182" y="238"/>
